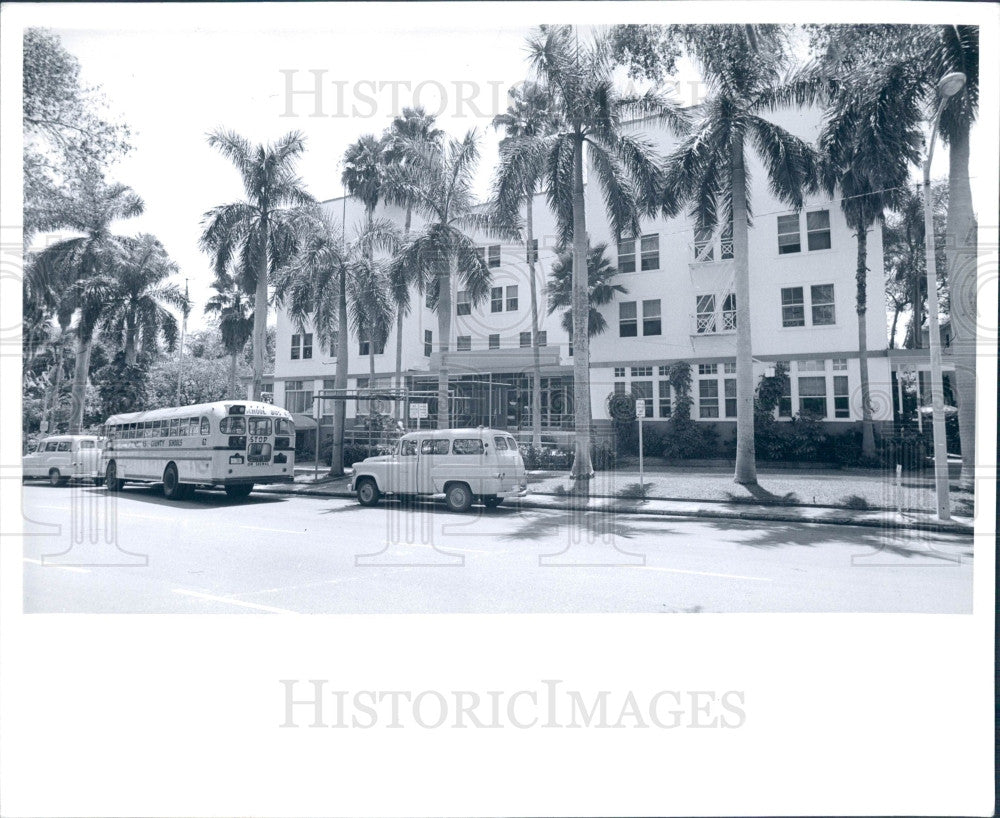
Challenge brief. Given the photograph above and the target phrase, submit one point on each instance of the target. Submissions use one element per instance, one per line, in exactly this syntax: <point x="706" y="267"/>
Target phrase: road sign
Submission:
<point x="418" y="411"/>
<point x="640" y="408"/>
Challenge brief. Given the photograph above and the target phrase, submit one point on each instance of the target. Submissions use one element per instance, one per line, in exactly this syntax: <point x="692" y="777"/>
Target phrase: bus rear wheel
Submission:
<point x="239" y="491"/>
<point x="172" y="488"/>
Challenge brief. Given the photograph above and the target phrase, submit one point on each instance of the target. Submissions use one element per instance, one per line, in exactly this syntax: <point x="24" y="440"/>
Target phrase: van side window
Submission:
<point x="86" y="444"/>
<point x="408" y="448"/>
<point x="500" y="443"/>
<point x="434" y="446"/>
<point x="468" y="446"/>
<point x="64" y="446"/>
<point x="50" y="446"/>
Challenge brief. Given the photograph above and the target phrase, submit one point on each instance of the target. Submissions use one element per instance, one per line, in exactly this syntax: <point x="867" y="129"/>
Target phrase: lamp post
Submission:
<point x="949" y="85"/>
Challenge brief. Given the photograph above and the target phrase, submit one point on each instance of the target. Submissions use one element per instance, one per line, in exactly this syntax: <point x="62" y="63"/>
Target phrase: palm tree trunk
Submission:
<point x="583" y="468"/>
<point x="340" y="381"/>
<point x="746" y="463"/>
<point x="861" y="281"/>
<point x="397" y="407"/>
<point x="130" y="341"/>
<point x="444" y="339"/>
<point x="536" y="383"/>
<point x="895" y="321"/>
<point x="260" y="314"/>
<point x="82" y="372"/>
<point x="57" y="376"/>
<point x="961" y="247"/>
<point x="232" y="375"/>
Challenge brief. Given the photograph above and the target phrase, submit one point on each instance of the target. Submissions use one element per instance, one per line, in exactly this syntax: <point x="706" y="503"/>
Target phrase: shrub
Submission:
<point x="546" y="459"/>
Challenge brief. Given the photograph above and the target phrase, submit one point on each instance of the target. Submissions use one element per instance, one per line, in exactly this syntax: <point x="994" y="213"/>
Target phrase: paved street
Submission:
<point x="88" y="551"/>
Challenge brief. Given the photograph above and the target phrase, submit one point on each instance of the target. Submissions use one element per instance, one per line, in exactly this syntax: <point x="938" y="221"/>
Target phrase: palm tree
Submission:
<point x="258" y="234"/>
<point x="442" y="254"/>
<point x="867" y="144"/>
<point x="601" y="290"/>
<point x="138" y="307"/>
<point x="589" y="110"/>
<point x="234" y="307"/>
<point x="80" y="270"/>
<point x="708" y="170"/>
<point x="407" y="136"/>
<point x="522" y="166"/>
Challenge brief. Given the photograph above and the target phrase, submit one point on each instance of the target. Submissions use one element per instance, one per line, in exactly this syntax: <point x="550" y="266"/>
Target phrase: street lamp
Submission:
<point x="949" y="85"/>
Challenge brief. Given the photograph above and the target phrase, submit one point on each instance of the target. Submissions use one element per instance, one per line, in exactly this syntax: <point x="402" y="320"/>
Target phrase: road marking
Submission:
<point x="272" y="530"/>
<point x="56" y="565"/>
<point x="231" y="601"/>
<point x="703" y="573"/>
<point x="444" y="549"/>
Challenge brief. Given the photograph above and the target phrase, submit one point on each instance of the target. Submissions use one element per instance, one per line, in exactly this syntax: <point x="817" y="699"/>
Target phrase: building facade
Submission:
<point x="679" y="305"/>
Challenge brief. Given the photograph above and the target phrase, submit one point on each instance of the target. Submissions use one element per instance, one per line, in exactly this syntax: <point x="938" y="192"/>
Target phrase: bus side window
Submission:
<point x="206" y="428"/>
<point x="194" y="424"/>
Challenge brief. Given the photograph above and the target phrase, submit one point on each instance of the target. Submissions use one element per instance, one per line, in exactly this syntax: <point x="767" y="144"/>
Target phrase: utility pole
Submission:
<point x="180" y="356"/>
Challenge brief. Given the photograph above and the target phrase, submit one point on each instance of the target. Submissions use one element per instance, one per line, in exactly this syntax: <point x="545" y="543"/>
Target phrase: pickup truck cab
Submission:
<point x="62" y="458"/>
<point x="462" y="464"/>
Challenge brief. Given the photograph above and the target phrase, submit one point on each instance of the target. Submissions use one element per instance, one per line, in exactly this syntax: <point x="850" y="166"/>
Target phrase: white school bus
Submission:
<point x="232" y="444"/>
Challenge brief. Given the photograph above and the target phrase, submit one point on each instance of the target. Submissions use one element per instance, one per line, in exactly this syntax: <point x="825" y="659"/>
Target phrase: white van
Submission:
<point x="461" y="464"/>
<point x="62" y="458"/>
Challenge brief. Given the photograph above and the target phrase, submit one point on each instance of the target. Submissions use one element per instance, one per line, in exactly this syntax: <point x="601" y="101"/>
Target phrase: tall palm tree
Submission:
<point x="867" y="144"/>
<point x="407" y="136"/>
<point x="137" y="311"/>
<point x="522" y="166"/>
<point x="442" y="253"/>
<point x="80" y="270"/>
<point x="741" y="66"/>
<point x="234" y="307"/>
<point x="601" y="290"/>
<point x="589" y="110"/>
<point x="258" y="234"/>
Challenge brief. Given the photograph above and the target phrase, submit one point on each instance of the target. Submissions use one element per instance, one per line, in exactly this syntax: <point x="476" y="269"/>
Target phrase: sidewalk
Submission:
<point x="711" y="493"/>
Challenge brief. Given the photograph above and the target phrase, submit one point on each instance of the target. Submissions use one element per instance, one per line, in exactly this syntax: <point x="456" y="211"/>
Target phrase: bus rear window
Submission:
<point x="260" y="426"/>
<point x="233" y="425"/>
<point x="282" y="426"/>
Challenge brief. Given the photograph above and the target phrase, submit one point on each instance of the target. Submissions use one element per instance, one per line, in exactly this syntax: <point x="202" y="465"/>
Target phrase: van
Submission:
<point x="464" y="465"/>
<point x="62" y="458"/>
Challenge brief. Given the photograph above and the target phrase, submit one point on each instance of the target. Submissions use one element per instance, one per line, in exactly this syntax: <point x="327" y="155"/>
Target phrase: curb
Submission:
<point x="915" y="525"/>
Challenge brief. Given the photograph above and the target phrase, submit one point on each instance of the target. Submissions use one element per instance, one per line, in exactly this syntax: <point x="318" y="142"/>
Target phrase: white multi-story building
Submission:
<point x="679" y="306"/>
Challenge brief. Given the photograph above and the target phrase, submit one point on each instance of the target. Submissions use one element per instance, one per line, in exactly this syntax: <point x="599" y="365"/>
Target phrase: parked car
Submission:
<point x="462" y="464"/>
<point x="62" y="458"/>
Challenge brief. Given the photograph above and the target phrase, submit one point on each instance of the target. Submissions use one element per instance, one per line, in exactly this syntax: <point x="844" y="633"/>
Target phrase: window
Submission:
<point x="793" y="312"/>
<point x="86" y="444"/>
<point x="619" y="371"/>
<point x="363" y="348"/>
<point x="428" y="343"/>
<point x="730" y="387"/>
<point x="626" y="256"/>
<point x="525" y="339"/>
<point x="642" y="371"/>
<point x="463" y="343"/>
<point x="651" y="317"/>
<point x="841" y="406"/>
<point x="708" y="398"/>
<point x="703" y="244"/>
<point x="788" y="234"/>
<point x="296" y="346"/>
<point x="64" y="446"/>
<point x="408" y="448"/>
<point x="206" y="427"/>
<point x="705" y="314"/>
<point x="729" y="368"/>
<point x="500" y="443"/>
<point x="643" y="390"/>
<point x="823" y="313"/>
<point x="707" y="369"/>
<point x="729" y="312"/>
<point x="628" y="326"/>
<point x="543" y="338"/>
<point x="467" y="446"/>
<point x="302" y="346"/>
<point x="490" y="255"/>
<point x="307" y="345"/>
<point x="496" y="299"/>
<point x="175" y="427"/>
<point x="194" y="425"/>
<point x="664" y="390"/>
<point x="812" y="365"/>
<point x="334" y="336"/>
<point x="431" y="446"/>
<point x="233" y="426"/>
<point x="818" y="230"/>
<point x="462" y="305"/>
<point x="650" y="248"/>
<point x="726" y="242"/>
<point x="663" y="371"/>
<point x="812" y="395"/>
<point x="619" y="387"/>
<point x="297" y="397"/>
<point x="532" y="255"/>
<point x="259" y="426"/>
<point x="512" y="298"/>
<point x="495" y="341"/>
<point x="840" y="364"/>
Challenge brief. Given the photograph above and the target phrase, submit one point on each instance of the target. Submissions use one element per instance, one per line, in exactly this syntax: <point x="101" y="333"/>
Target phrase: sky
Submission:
<point x="176" y="72"/>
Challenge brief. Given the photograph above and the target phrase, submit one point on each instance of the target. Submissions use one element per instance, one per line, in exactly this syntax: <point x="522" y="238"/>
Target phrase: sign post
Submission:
<point x="640" y="413"/>
<point x="418" y="411"/>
